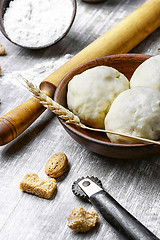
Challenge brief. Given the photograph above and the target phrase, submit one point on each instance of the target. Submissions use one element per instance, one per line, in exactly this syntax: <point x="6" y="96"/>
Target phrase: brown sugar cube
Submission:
<point x="43" y="188"/>
<point x="56" y="165"/>
<point x="81" y="221"/>
<point x="2" y="50"/>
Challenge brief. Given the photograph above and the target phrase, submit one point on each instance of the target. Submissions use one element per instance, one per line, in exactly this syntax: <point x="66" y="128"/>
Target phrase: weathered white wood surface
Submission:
<point x="134" y="183"/>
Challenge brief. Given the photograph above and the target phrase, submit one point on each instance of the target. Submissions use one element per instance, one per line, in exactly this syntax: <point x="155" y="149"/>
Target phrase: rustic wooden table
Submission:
<point x="133" y="183"/>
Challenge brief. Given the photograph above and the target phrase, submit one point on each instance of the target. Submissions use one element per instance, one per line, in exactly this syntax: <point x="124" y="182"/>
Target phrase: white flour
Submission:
<point x="37" y="23"/>
<point x="36" y="74"/>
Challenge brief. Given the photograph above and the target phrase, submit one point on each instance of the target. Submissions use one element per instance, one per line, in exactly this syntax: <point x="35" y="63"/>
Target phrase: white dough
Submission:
<point x="91" y="93"/>
<point x="135" y="112"/>
<point x="147" y="74"/>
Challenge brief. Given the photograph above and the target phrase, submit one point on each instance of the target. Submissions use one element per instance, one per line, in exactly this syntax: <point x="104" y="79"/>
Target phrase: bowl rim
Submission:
<point x="2" y="28"/>
<point x="74" y="129"/>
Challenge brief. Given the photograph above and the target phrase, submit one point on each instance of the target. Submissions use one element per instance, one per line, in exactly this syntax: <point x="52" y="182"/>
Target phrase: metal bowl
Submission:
<point x="98" y="142"/>
<point x="4" y="4"/>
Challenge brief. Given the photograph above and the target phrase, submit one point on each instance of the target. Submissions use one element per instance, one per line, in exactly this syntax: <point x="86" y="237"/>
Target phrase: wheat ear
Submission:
<point x="55" y="107"/>
<point x="68" y="116"/>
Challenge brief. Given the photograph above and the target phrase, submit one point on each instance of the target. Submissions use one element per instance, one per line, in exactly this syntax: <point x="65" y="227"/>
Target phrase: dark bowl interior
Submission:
<point x="98" y="142"/>
<point x="4" y="4"/>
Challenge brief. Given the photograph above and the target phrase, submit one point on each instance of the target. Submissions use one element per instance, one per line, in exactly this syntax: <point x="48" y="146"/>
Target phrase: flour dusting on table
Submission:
<point x="36" y="74"/>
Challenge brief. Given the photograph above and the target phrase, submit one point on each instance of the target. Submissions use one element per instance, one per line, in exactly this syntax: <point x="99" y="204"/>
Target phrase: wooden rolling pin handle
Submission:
<point x="48" y="88"/>
<point x="19" y="119"/>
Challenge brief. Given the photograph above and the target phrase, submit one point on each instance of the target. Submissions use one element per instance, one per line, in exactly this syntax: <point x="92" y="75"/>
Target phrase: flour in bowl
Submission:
<point x="37" y="23"/>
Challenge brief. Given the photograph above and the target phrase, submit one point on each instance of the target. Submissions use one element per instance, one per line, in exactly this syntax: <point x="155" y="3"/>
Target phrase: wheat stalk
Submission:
<point x="55" y="107"/>
<point x="68" y="116"/>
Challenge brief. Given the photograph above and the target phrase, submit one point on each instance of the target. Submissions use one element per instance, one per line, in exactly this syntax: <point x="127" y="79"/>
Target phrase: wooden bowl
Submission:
<point x="4" y="4"/>
<point x="98" y="142"/>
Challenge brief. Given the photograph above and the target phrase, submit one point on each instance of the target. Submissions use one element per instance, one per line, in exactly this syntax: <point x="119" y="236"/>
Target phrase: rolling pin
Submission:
<point x="120" y="39"/>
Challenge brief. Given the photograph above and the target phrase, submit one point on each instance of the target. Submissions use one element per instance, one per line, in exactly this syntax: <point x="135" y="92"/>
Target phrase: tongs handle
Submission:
<point x="120" y="218"/>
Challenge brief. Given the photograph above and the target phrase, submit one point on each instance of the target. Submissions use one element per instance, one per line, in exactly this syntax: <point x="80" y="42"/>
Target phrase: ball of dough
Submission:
<point x="147" y="74"/>
<point x="91" y="93"/>
<point x="135" y="112"/>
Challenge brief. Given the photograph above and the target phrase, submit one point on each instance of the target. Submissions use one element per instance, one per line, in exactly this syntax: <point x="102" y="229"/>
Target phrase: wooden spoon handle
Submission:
<point x="120" y="39"/>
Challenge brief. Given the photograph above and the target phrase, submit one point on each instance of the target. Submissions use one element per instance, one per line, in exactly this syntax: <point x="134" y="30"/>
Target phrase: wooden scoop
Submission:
<point x="120" y="39"/>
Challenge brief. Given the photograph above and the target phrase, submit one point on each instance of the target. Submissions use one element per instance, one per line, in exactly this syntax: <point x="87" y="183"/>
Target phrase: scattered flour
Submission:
<point x="36" y="74"/>
<point x="37" y="23"/>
